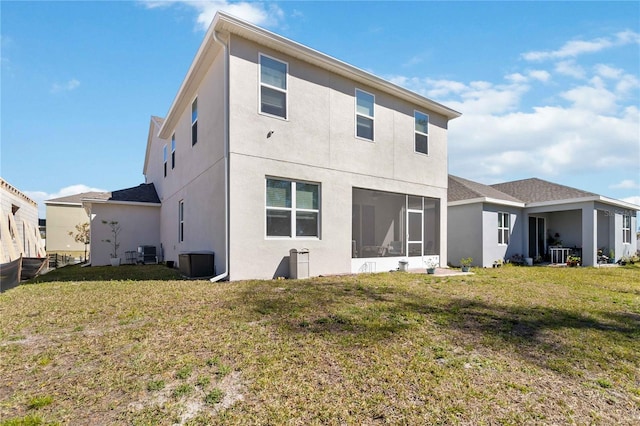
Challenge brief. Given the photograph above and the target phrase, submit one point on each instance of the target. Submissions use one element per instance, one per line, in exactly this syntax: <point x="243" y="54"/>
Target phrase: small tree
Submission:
<point x="115" y="231"/>
<point x="82" y="236"/>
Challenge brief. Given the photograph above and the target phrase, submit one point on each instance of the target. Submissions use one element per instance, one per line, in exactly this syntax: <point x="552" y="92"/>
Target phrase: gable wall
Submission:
<point x="320" y="130"/>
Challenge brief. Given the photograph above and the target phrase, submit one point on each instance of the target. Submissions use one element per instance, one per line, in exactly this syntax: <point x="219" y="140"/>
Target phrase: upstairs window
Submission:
<point x="273" y="87"/>
<point x="503" y="228"/>
<point x="626" y="229"/>
<point x="364" y="114"/>
<point x="173" y="151"/>
<point x="293" y="209"/>
<point x="194" y="122"/>
<point x="164" y="159"/>
<point x="421" y="132"/>
<point x="181" y="220"/>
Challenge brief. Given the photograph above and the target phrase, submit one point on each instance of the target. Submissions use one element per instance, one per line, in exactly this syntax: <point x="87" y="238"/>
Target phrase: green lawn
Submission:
<point x="512" y="345"/>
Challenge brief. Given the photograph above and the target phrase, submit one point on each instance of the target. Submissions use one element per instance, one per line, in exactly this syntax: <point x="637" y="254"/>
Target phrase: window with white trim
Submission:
<point x="292" y="209"/>
<point x="626" y="229"/>
<point x="503" y="228"/>
<point x="181" y="221"/>
<point x="164" y="159"/>
<point x="421" y="132"/>
<point x="194" y="122"/>
<point x="364" y="114"/>
<point x="173" y="151"/>
<point x="273" y="86"/>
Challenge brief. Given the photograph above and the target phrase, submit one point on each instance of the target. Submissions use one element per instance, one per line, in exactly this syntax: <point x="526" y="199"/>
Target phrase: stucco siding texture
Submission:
<point x="320" y="127"/>
<point x="465" y="233"/>
<point x="317" y="143"/>
<point x="254" y="255"/>
<point x="139" y="226"/>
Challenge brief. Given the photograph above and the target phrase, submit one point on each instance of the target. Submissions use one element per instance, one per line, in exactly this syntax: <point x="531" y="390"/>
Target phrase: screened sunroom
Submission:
<point x="389" y="227"/>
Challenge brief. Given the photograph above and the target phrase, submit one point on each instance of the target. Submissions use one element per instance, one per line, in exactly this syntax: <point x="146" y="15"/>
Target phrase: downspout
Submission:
<point x="225" y="48"/>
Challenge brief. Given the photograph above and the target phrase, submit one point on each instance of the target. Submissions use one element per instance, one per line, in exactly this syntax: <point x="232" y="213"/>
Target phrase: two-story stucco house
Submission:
<point x="271" y="146"/>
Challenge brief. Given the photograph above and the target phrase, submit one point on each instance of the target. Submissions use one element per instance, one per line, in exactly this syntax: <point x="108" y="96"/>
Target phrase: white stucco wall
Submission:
<point x="140" y="225"/>
<point x="492" y="250"/>
<point x="465" y="233"/>
<point x="317" y="143"/>
<point x="198" y="175"/>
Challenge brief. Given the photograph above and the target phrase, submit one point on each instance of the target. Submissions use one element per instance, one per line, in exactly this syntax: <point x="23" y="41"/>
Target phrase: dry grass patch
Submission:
<point x="504" y="346"/>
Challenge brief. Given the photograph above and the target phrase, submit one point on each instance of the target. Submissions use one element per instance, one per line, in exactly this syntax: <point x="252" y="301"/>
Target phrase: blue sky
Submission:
<point x="546" y="89"/>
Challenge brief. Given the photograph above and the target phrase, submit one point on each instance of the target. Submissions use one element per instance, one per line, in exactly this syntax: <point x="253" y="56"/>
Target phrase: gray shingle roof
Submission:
<point x="77" y="198"/>
<point x="464" y="189"/>
<point x="536" y="190"/>
<point x="144" y="193"/>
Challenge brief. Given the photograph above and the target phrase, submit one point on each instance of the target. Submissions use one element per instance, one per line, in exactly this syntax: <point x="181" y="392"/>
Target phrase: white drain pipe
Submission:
<point x="225" y="48"/>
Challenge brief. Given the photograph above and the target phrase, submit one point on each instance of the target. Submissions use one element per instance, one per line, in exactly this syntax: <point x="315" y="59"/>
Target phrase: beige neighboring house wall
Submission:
<point x="63" y="214"/>
<point x="19" y="232"/>
<point x="220" y="181"/>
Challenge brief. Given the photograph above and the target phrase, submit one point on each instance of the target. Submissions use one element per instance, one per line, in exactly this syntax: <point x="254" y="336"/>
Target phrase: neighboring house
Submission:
<point x="137" y="212"/>
<point x="62" y="216"/>
<point x="271" y="146"/>
<point x="535" y="219"/>
<point x="19" y="233"/>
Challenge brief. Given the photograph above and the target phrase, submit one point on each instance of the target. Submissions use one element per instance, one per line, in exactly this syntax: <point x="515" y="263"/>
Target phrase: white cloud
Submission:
<point x="590" y="98"/>
<point x="41" y="196"/>
<point x="607" y="71"/>
<point x="65" y="87"/>
<point x="516" y="78"/>
<point x="540" y="75"/>
<point x="571" y="69"/>
<point x="574" y="48"/>
<point x="626" y="184"/>
<point x="257" y="13"/>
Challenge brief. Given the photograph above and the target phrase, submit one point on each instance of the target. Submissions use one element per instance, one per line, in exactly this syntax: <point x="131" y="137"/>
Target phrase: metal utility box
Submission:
<point x="196" y="264"/>
<point x="298" y="263"/>
<point x="147" y="254"/>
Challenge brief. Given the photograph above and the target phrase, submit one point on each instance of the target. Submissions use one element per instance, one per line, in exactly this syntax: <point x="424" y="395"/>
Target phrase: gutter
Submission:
<point x="225" y="48"/>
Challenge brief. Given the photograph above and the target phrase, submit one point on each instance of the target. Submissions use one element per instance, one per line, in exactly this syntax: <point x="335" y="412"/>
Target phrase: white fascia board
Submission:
<point x="620" y="203"/>
<point x="593" y="198"/>
<point x="486" y="200"/>
<point x="86" y="201"/>
<point x="61" y="203"/>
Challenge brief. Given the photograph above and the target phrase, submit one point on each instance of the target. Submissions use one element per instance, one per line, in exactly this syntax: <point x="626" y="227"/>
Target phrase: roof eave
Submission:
<point x="486" y="200"/>
<point x="196" y="70"/>
<point x="599" y="198"/>
<point x="86" y="201"/>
